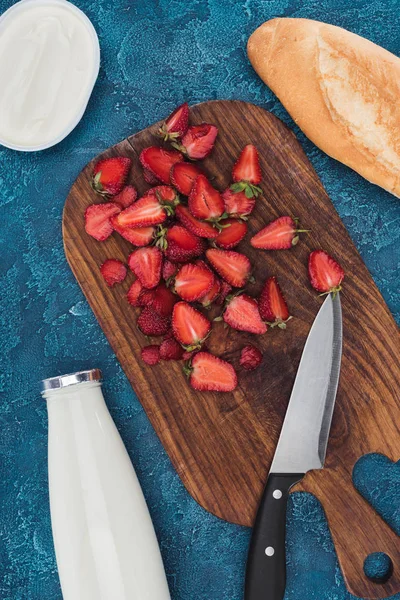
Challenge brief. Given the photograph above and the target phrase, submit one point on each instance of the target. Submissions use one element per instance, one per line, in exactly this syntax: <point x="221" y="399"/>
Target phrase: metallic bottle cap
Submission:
<point x="63" y="381"/>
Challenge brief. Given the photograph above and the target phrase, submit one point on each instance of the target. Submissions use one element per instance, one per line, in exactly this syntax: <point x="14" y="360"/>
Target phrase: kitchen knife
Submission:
<point x="301" y="448"/>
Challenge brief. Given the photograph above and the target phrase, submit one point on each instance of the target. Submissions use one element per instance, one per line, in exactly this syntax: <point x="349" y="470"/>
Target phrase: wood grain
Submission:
<point x="222" y="444"/>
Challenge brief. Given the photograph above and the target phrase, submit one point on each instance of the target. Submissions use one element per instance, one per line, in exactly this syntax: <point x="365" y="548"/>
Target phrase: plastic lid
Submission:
<point x="63" y="381"/>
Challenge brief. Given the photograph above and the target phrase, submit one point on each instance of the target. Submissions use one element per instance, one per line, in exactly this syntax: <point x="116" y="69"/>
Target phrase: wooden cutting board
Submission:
<point x="222" y="444"/>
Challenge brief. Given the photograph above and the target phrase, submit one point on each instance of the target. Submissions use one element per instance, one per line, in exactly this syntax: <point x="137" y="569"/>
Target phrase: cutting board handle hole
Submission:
<point x="378" y="567"/>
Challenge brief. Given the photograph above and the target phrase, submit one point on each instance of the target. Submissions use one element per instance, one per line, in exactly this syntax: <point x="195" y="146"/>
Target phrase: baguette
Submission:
<point x="342" y="90"/>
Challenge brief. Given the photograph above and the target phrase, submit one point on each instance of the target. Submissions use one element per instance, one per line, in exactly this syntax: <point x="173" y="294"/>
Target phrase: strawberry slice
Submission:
<point x="224" y="291"/>
<point x="199" y="228"/>
<point x="175" y="126"/>
<point x="126" y="197"/>
<point x="210" y="373"/>
<point x="109" y="175"/>
<point x="168" y="271"/>
<point x="232" y="232"/>
<point x="326" y="275"/>
<point x="98" y="220"/>
<point x="250" y="357"/>
<point x="170" y="349"/>
<point x="232" y="266"/>
<point x="138" y="236"/>
<point x="272" y="304"/>
<point x="183" y="175"/>
<point x="193" y="281"/>
<point x="247" y="173"/>
<point x="242" y="314"/>
<point x="205" y="202"/>
<point x="237" y="204"/>
<point x="280" y="234"/>
<point x="159" y="161"/>
<point x="146" y="263"/>
<point x="146" y="297"/>
<point x="212" y="294"/>
<point x="144" y="212"/>
<point x="134" y="293"/>
<point x="163" y="300"/>
<point x="165" y="194"/>
<point x="182" y="245"/>
<point x="114" y="271"/>
<point x="190" y="326"/>
<point x="198" y="141"/>
<point x="151" y="354"/>
<point x="150" y="322"/>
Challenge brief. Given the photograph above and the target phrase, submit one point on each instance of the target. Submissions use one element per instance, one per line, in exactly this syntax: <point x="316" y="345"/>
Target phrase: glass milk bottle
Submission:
<point x="104" y="540"/>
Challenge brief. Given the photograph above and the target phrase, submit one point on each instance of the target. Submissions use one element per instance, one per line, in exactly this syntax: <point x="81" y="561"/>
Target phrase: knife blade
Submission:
<point x="301" y="447"/>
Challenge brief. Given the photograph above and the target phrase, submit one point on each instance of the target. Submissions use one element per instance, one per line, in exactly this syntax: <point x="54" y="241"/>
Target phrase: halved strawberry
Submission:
<point x="198" y="141"/>
<point x="151" y="354"/>
<point x="190" y="326"/>
<point x="165" y="194"/>
<point x="163" y="300"/>
<point x="150" y="322"/>
<point x="272" y="304"/>
<point x="175" y="126"/>
<point x="138" y="236"/>
<point x="210" y="373"/>
<point x="242" y="313"/>
<point x="232" y="232"/>
<point x="183" y="175"/>
<point x="144" y="212"/>
<point x="114" y="271"/>
<point x="98" y="220"/>
<point x="250" y="357"/>
<point x="199" y="228"/>
<point x="193" y="281"/>
<point x="182" y="245"/>
<point x="326" y="275"/>
<point x="224" y="291"/>
<point x="247" y="173"/>
<point x="146" y="297"/>
<point x="280" y="234"/>
<point x="205" y="202"/>
<point x="170" y="349"/>
<point x="237" y="204"/>
<point x="168" y="271"/>
<point x="232" y="266"/>
<point x="146" y="263"/>
<point x="126" y="197"/>
<point x="212" y="294"/>
<point x="134" y="293"/>
<point x="109" y="175"/>
<point x="159" y="161"/>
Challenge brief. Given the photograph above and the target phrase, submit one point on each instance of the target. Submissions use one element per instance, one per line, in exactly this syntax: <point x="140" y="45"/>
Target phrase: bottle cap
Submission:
<point x="63" y="381"/>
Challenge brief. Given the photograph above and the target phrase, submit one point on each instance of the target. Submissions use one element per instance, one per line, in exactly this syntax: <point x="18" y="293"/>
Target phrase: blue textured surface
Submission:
<point x="155" y="54"/>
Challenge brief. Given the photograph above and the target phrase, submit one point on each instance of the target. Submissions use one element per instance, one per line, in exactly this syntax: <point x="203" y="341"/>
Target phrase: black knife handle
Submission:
<point x="266" y="561"/>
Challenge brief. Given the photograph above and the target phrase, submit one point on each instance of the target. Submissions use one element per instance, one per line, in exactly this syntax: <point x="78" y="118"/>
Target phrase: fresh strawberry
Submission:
<point x="109" y="175"/>
<point x="175" y="126"/>
<point x="149" y="177"/>
<point x="169" y="270"/>
<point x="165" y="194"/>
<point x="98" y="220"/>
<point x="170" y="349"/>
<point x="151" y="322"/>
<point x="163" y="300"/>
<point x="146" y="297"/>
<point x="326" y="275"/>
<point x="126" y="197"/>
<point x="224" y="291"/>
<point x="212" y="294"/>
<point x="272" y="304"/>
<point x="280" y="234"/>
<point x="237" y="204"/>
<point x="210" y="373"/>
<point x="232" y="232"/>
<point x="232" y="266"/>
<point x="242" y="313"/>
<point x="114" y="271"/>
<point x="205" y="202"/>
<point x="198" y="141"/>
<point x="134" y="293"/>
<point x="144" y="212"/>
<point x="138" y="236"/>
<point x="159" y="161"/>
<point x="247" y="173"/>
<point x="199" y="228"/>
<point x="183" y="175"/>
<point x="250" y="357"/>
<point x="182" y="245"/>
<point x="151" y="354"/>
<point x="193" y="281"/>
<point x="146" y="263"/>
<point x="190" y="326"/>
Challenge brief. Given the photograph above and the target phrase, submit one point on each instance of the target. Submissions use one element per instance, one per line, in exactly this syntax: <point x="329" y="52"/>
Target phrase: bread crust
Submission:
<point x="342" y="90"/>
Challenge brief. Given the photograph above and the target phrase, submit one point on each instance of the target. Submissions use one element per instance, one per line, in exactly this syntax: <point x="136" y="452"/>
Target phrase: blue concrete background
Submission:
<point x="155" y="55"/>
